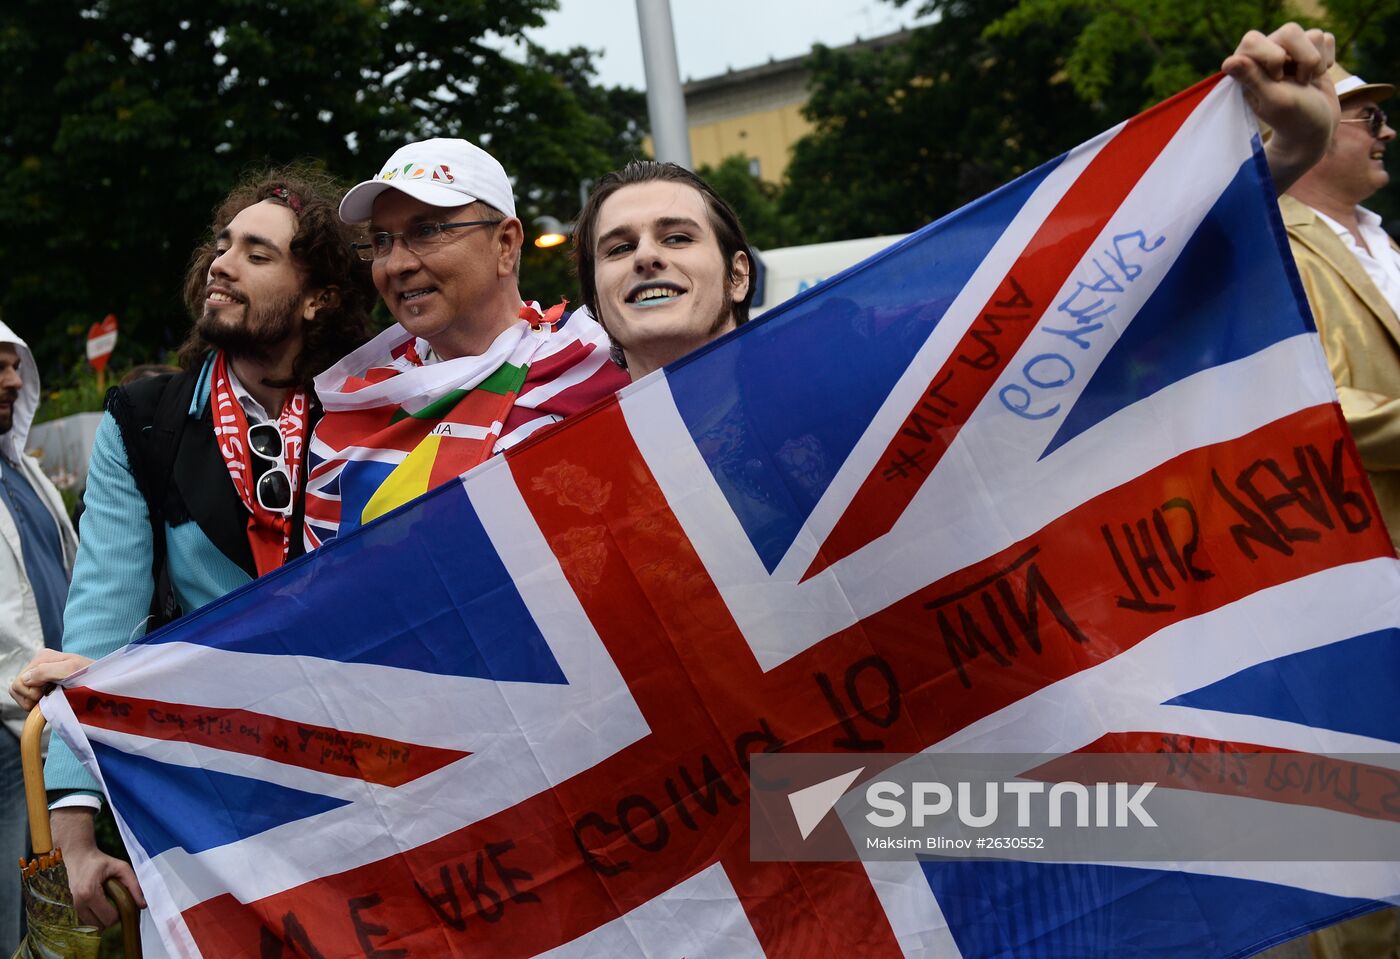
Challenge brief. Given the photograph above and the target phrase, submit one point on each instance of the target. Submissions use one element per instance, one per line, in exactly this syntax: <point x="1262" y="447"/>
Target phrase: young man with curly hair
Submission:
<point x="196" y="479"/>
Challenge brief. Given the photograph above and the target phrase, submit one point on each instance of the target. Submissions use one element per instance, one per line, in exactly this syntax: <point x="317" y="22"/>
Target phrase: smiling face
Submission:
<point x="663" y="286"/>
<point x="1354" y="166"/>
<point x="451" y="294"/>
<point x="254" y="291"/>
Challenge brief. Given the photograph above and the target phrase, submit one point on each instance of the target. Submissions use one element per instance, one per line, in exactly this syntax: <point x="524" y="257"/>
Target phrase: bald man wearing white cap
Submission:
<point x="469" y="369"/>
<point x="1351" y="271"/>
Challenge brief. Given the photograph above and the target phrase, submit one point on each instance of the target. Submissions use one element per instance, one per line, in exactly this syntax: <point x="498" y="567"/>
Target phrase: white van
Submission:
<point x="788" y="271"/>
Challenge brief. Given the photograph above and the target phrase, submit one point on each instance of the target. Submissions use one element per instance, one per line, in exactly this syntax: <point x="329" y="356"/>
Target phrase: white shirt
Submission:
<point x="253" y="410"/>
<point x="1381" y="262"/>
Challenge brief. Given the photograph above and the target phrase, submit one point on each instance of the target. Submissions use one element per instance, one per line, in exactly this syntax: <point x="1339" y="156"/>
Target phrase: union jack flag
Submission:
<point x="1065" y="467"/>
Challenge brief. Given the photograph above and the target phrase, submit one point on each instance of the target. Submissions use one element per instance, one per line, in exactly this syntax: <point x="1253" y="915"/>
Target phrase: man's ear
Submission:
<point x="510" y="239"/>
<point x="315" y="300"/>
<point x="739" y="269"/>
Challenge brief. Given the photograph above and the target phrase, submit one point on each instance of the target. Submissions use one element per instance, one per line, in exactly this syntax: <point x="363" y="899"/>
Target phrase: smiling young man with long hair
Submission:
<point x="194" y="486"/>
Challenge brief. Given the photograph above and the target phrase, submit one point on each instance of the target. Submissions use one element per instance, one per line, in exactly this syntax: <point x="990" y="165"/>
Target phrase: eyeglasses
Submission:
<point x="421" y="239"/>
<point x="1374" y="118"/>
<point x="274" y="487"/>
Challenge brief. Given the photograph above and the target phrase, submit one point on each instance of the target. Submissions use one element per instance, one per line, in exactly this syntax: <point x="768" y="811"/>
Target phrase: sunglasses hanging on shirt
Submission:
<point x="274" y="487"/>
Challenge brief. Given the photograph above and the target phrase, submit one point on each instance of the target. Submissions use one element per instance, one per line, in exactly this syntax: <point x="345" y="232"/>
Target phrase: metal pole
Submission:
<point x="665" y="101"/>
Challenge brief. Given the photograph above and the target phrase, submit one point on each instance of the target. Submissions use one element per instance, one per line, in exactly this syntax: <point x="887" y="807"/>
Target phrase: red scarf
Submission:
<point x="269" y="532"/>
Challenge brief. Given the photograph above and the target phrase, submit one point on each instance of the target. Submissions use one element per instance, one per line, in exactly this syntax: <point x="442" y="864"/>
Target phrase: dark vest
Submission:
<point x="175" y="460"/>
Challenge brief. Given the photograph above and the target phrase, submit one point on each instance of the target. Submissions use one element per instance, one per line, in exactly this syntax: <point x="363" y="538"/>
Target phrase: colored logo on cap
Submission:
<point x="438" y="173"/>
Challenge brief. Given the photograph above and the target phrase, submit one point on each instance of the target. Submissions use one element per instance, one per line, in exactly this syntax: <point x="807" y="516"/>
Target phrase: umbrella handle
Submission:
<point x="130" y="917"/>
<point x="41" y="834"/>
<point x="31" y="754"/>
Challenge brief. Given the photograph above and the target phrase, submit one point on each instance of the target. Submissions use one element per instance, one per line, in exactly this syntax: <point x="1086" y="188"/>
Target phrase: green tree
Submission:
<point x="124" y="121"/>
<point x="756" y="202"/>
<point x="1181" y="41"/>
<point x="577" y="132"/>
<point x="1184" y="40"/>
<point x="1178" y="41"/>
<point x="1376" y="56"/>
<point x="908" y="132"/>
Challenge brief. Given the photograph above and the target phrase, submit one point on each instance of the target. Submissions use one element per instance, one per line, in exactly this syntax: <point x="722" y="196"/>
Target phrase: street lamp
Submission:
<point x="552" y="232"/>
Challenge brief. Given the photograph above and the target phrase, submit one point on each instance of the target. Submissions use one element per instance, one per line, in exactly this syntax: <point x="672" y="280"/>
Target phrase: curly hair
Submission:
<point x="320" y="246"/>
<point x="723" y="220"/>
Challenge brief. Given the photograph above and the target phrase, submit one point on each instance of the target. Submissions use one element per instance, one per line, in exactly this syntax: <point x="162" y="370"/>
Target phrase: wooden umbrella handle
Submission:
<point x="31" y="757"/>
<point x="31" y="752"/>
<point x="130" y="916"/>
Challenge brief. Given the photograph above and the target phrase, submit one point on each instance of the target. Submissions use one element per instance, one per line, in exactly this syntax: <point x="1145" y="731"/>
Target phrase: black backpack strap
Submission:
<point x="151" y="415"/>
<point x="297" y="543"/>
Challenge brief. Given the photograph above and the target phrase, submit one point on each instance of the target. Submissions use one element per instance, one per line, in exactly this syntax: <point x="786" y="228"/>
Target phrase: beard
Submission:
<point x="724" y="321"/>
<point x="260" y="328"/>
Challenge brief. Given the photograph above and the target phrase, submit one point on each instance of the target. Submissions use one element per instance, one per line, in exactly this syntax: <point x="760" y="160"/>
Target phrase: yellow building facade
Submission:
<point x="755" y="112"/>
<point x="766" y="138"/>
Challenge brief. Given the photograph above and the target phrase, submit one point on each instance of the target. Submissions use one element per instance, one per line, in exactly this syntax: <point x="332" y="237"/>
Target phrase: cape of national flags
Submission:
<point x="1063" y="468"/>
<point x="395" y="427"/>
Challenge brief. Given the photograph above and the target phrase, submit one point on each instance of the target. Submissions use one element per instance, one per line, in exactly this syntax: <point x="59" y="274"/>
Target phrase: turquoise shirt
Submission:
<point x="110" y="597"/>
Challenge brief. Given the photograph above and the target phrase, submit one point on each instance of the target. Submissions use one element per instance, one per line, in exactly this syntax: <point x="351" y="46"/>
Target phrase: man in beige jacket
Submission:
<point x="1351" y="271"/>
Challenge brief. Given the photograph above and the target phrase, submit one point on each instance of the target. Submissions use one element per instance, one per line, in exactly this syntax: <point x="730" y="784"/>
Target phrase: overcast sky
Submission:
<point x="714" y="35"/>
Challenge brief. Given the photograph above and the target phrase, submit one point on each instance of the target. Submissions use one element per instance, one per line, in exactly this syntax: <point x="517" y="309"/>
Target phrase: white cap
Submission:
<point x="439" y="172"/>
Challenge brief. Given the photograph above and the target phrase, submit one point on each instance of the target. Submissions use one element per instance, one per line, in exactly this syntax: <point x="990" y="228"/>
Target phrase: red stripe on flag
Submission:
<point x="1203" y="530"/>
<point x="1208" y="528"/>
<point x="1228" y="768"/>
<point x="1003" y="325"/>
<point x="373" y="759"/>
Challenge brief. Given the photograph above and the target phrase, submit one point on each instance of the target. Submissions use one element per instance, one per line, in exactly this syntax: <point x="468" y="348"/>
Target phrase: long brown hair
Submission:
<point x="320" y="246"/>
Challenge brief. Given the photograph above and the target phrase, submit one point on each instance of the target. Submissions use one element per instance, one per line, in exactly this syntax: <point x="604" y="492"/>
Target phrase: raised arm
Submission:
<point x="1284" y="76"/>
